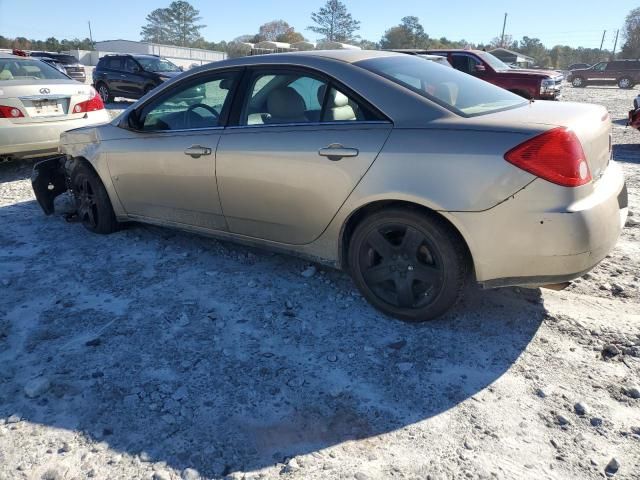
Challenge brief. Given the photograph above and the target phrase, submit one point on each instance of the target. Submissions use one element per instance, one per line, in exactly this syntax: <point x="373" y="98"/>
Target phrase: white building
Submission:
<point x="181" y="56"/>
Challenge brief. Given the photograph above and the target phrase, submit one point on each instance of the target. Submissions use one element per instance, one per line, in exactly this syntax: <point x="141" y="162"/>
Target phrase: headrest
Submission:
<point x="285" y="103"/>
<point x="226" y="84"/>
<point x="336" y="99"/>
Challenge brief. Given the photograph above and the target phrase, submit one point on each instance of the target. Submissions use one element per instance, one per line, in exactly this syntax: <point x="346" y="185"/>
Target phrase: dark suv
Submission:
<point x="72" y="67"/>
<point x="623" y="73"/>
<point x="131" y="76"/>
<point x="538" y="84"/>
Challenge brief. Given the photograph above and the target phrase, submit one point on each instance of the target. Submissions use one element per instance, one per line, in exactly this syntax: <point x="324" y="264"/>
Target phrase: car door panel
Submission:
<point x="276" y="184"/>
<point x="162" y="182"/>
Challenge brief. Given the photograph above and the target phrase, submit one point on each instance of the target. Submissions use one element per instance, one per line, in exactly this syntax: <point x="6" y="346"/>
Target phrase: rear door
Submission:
<point x="301" y="145"/>
<point x="115" y="75"/>
<point x="131" y="80"/>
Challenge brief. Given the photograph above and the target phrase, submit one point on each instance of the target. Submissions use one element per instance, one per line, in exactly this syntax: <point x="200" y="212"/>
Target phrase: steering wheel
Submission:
<point x="208" y="108"/>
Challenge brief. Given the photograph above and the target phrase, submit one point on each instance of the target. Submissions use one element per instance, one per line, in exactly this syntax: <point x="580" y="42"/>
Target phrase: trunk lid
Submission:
<point x="590" y="123"/>
<point x="44" y="101"/>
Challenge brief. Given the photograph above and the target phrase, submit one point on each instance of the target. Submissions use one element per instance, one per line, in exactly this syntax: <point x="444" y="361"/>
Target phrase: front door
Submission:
<point x="599" y="74"/>
<point x="300" y="148"/>
<point x="165" y="168"/>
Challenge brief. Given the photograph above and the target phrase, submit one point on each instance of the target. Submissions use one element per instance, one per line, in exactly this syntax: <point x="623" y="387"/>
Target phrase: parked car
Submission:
<point x="578" y="66"/>
<point x="623" y="73"/>
<point x="403" y="173"/>
<point x="131" y="76"/>
<point x="528" y="83"/>
<point x="37" y="103"/>
<point x="71" y="65"/>
<point x="54" y="63"/>
<point x="436" y="58"/>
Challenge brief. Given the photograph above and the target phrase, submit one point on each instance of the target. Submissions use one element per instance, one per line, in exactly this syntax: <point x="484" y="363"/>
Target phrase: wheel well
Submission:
<point x="366" y="210"/>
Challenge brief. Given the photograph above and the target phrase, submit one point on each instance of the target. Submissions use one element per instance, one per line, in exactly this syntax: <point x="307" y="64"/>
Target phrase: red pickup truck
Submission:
<point x="537" y="84"/>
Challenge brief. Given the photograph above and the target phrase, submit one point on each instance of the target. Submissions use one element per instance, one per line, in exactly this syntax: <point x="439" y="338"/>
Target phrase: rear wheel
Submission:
<point x="105" y="93"/>
<point x="93" y="205"/>
<point x="578" y="82"/>
<point x="408" y="265"/>
<point x="625" y="83"/>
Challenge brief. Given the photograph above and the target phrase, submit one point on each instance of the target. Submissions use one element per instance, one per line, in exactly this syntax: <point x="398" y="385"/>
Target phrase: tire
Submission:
<point x="625" y="83"/>
<point x="409" y="265"/>
<point x="578" y="82"/>
<point x="93" y="205"/>
<point x="104" y="92"/>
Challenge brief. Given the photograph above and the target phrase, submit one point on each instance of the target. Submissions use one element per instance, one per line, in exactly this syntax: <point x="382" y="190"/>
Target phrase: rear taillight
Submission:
<point x="555" y="156"/>
<point x="10" y="112"/>
<point x="91" y="105"/>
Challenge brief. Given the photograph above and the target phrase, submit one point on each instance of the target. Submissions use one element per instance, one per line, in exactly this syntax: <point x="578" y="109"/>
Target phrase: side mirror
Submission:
<point x="480" y="68"/>
<point x="181" y="68"/>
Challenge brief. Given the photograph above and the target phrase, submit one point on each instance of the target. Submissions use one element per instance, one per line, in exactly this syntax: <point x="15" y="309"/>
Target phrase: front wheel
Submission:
<point x="408" y="265"/>
<point x="578" y="82"/>
<point x="92" y="201"/>
<point x="625" y="83"/>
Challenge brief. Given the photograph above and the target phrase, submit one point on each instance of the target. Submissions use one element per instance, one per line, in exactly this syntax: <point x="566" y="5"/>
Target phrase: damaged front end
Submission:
<point x="49" y="179"/>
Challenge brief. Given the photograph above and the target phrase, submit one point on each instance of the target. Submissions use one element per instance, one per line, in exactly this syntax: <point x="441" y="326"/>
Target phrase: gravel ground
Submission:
<point x="154" y="354"/>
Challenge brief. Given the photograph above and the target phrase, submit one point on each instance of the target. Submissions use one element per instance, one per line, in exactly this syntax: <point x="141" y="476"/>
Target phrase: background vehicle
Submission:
<point x="404" y="173"/>
<point x="54" y="63"/>
<point x="528" y="83"/>
<point x="623" y="73"/>
<point x="37" y="103"/>
<point x="73" y="68"/>
<point x="577" y="66"/>
<point x="131" y="76"/>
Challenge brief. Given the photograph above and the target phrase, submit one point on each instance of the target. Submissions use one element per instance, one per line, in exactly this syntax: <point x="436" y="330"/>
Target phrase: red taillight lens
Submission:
<point x="10" y="112"/>
<point x="555" y="156"/>
<point x="91" y="105"/>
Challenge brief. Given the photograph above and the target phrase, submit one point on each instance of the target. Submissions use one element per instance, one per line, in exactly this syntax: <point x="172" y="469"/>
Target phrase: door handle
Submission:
<point x="336" y="152"/>
<point x="196" y="151"/>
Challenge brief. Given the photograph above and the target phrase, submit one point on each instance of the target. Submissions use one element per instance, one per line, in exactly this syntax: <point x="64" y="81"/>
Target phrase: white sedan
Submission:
<point x="37" y="104"/>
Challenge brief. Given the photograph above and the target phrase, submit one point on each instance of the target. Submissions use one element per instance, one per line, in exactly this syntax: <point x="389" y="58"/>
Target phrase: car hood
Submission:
<point x="528" y="72"/>
<point x="168" y="74"/>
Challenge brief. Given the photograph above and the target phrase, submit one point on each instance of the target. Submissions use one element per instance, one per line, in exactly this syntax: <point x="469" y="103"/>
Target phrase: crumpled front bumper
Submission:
<point x="49" y="179"/>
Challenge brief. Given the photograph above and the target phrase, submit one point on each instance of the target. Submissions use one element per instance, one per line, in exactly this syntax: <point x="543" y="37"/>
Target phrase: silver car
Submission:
<point x="411" y="176"/>
<point x="38" y="103"/>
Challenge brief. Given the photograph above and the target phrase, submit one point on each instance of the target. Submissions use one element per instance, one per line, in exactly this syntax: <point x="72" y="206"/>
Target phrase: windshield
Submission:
<point x="19" y="69"/>
<point x="493" y="61"/>
<point x="463" y="94"/>
<point x="157" y="64"/>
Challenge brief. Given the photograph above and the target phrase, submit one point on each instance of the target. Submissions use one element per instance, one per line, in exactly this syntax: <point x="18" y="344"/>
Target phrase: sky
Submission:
<point x="568" y="22"/>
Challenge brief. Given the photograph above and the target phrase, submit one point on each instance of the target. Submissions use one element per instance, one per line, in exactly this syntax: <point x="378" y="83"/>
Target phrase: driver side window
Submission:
<point x="193" y="105"/>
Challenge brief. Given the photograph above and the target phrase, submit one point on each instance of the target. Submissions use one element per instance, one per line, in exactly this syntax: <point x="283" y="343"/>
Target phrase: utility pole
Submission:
<point x="504" y="25"/>
<point x="615" y="44"/>
<point x="602" y="42"/>
<point x="90" y="34"/>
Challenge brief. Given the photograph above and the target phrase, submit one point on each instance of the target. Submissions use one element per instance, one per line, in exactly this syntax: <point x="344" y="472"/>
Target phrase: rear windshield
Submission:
<point x="459" y="92"/>
<point x="26" y="69"/>
<point x="58" y="57"/>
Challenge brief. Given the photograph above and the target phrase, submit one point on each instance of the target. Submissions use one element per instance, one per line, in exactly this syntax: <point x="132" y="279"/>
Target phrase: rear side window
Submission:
<point x="463" y="94"/>
<point x="290" y="98"/>
<point x="114" y="63"/>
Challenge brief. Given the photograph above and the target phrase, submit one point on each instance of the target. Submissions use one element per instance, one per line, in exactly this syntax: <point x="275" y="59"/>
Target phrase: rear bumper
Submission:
<point x="527" y="240"/>
<point x="33" y="139"/>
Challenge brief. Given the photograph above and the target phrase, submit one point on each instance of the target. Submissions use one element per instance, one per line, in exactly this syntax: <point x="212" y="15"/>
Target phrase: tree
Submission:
<point x="278" y="31"/>
<point x="409" y="34"/>
<point x="631" y="34"/>
<point x="534" y="48"/>
<point x="368" y="45"/>
<point x="157" y="28"/>
<point x="175" y="25"/>
<point x="334" y="22"/>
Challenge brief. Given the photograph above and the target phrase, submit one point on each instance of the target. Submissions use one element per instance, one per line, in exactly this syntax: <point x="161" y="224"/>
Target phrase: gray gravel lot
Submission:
<point x="154" y="354"/>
